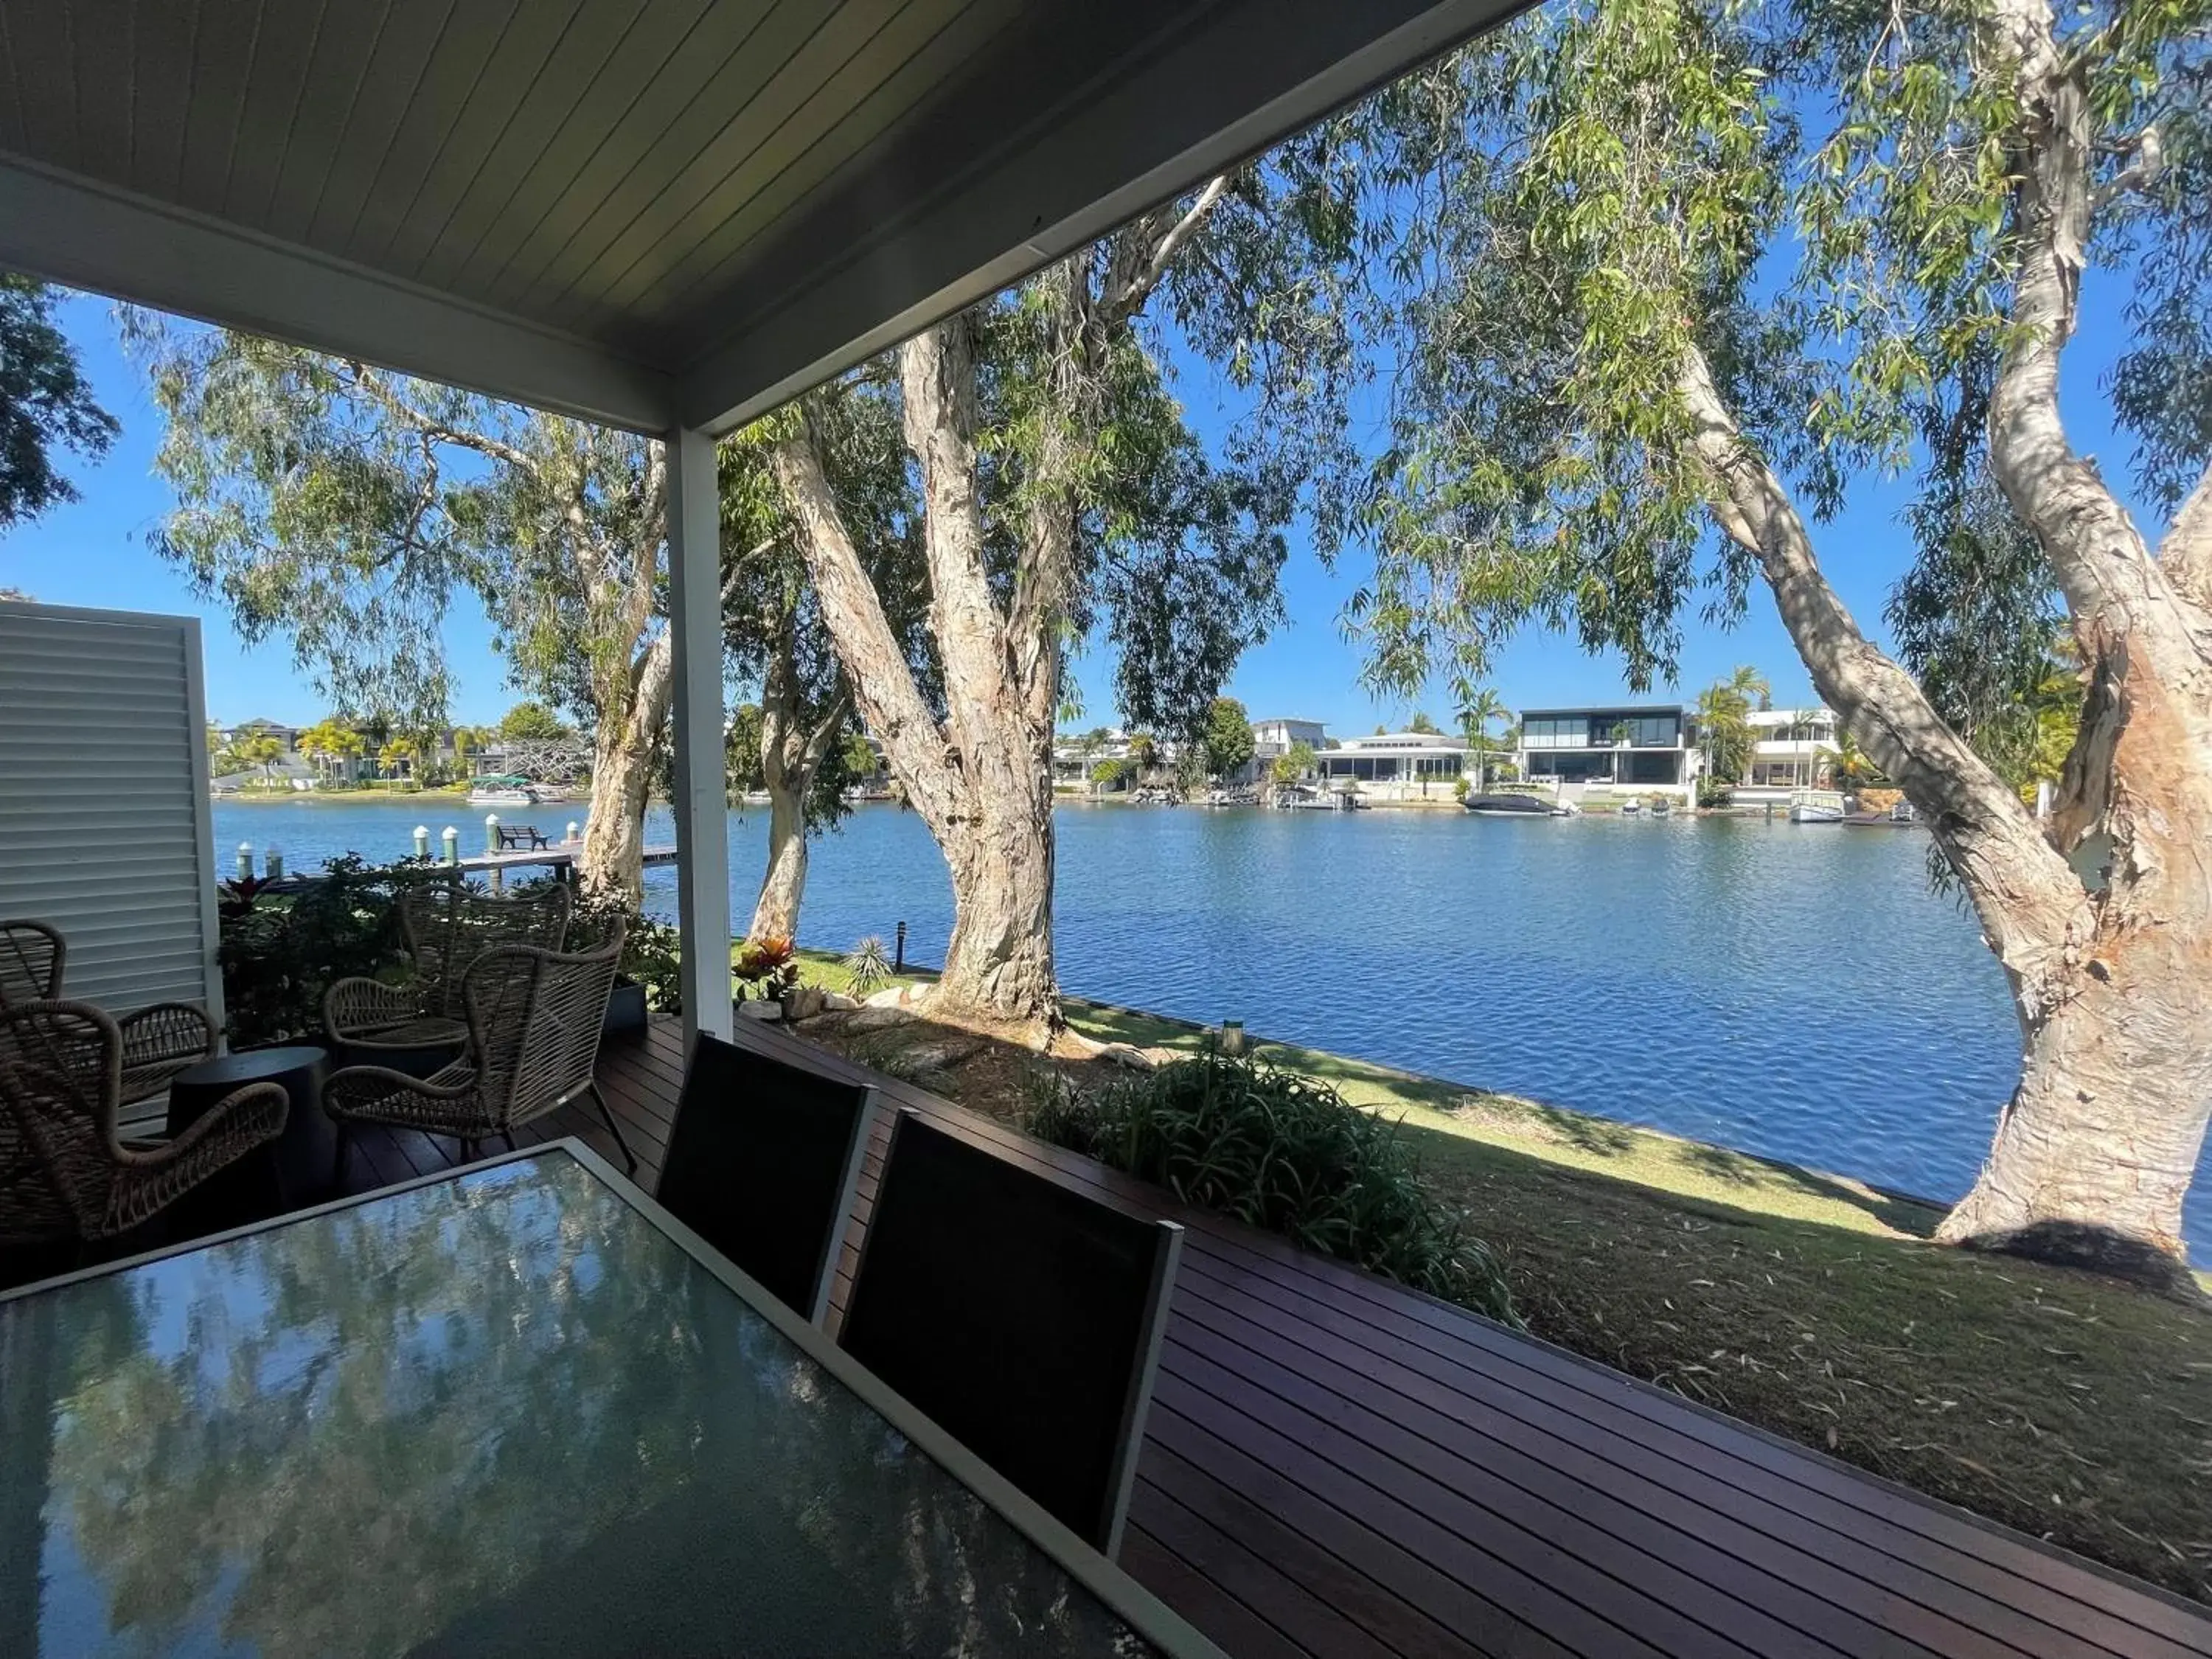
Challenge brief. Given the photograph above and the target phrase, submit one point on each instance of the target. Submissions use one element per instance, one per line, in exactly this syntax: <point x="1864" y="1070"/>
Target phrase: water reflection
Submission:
<point x="496" y="1415"/>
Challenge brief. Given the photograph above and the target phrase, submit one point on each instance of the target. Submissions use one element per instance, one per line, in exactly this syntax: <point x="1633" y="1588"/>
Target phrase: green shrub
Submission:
<point x="280" y="952"/>
<point x="1282" y="1152"/>
<point x="652" y="954"/>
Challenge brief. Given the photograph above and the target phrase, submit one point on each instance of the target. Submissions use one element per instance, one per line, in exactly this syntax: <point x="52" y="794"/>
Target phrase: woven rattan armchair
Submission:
<point x="533" y="1023"/>
<point x="159" y="1040"/>
<point x="444" y="926"/>
<point x="65" y="1172"/>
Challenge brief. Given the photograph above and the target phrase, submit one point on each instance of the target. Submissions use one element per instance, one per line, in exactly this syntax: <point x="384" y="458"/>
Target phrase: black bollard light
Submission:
<point x="898" y="951"/>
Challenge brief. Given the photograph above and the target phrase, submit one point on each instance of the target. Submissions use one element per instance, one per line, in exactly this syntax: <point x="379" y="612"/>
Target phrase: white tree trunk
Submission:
<point x="783" y="889"/>
<point x="792" y="754"/>
<point x="613" y="858"/>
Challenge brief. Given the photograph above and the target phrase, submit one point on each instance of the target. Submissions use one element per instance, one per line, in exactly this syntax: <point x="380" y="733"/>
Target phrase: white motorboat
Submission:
<point x="503" y="791"/>
<point x="1816" y="807"/>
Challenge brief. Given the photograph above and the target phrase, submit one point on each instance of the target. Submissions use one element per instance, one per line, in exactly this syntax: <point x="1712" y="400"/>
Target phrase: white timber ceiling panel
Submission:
<point x="642" y="211"/>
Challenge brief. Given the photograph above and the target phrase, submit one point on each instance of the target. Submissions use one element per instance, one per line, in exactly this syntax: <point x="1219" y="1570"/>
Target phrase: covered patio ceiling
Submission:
<point x="669" y="216"/>
<point x="653" y="214"/>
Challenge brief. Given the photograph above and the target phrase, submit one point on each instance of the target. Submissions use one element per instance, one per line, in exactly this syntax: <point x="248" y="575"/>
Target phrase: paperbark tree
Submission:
<point x="801" y="750"/>
<point x="342" y="507"/>
<point x="1057" y="492"/>
<point x="1613" y="360"/>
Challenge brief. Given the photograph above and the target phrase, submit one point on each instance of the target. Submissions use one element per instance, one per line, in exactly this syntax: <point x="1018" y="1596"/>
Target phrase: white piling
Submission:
<point x="246" y="860"/>
<point x="451" y="837"/>
<point x="272" y="862"/>
<point x="422" y="841"/>
<point x="491" y="832"/>
<point x="574" y="831"/>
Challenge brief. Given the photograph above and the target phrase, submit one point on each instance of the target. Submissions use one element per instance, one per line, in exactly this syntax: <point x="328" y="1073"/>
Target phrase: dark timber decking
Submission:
<point x="1337" y="1466"/>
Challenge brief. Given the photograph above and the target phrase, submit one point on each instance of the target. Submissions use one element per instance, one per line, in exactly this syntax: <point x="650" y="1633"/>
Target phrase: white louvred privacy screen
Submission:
<point x="105" y="827"/>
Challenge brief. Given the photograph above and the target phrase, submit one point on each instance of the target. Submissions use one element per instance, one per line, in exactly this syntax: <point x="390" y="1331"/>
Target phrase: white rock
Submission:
<point x="759" y="1008"/>
<point x="1128" y="1055"/>
<point x="837" y="1002"/>
<point x="891" y="996"/>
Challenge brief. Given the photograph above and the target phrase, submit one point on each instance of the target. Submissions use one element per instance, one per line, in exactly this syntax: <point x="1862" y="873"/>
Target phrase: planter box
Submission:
<point x="625" y="1014"/>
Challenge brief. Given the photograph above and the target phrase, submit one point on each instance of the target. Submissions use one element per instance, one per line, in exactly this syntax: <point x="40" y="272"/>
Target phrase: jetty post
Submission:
<point x="451" y="838"/>
<point x="422" y="841"/>
<point x="246" y="860"/>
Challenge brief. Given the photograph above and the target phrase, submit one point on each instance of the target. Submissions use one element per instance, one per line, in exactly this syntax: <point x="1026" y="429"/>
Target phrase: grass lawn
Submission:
<point x="2065" y="1405"/>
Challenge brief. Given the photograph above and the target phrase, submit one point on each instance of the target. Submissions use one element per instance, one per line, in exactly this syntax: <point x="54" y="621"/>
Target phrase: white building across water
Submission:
<point x="1395" y="765"/>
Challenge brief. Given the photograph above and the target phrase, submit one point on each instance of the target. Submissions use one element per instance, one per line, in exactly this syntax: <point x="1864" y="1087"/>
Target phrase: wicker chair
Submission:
<point x="445" y="926"/>
<point x="65" y="1173"/>
<point x="159" y="1040"/>
<point x="533" y="1022"/>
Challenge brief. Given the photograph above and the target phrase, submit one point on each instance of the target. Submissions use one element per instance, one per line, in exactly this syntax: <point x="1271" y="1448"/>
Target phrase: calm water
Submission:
<point x="1788" y="990"/>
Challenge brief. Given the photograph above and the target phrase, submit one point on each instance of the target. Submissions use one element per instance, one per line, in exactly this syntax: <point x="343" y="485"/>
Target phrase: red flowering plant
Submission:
<point x="766" y="967"/>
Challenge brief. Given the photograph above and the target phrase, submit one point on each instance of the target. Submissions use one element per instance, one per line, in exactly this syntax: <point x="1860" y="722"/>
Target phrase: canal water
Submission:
<point x="1790" y="990"/>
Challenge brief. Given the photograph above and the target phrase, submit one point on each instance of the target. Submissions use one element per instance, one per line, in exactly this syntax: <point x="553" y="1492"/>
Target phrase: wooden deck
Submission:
<point x="1337" y="1466"/>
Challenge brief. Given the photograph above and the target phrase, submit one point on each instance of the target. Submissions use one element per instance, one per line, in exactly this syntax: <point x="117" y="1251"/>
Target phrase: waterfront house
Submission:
<point x="673" y="218"/>
<point x="1791" y="749"/>
<point x="1273" y="738"/>
<point x="1639" y="749"/>
<point x="1394" y="766"/>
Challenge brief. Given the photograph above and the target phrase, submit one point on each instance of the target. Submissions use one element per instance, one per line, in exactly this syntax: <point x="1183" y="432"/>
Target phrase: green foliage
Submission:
<point x="44" y="401"/>
<point x="1113" y="774"/>
<point x="1421" y="722"/>
<point x="530" y="721"/>
<point x="1295" y="763"/>
<point x="1817" y="201"/>
<point x="1977" y="622"/>
<point x="1228" y="740"/>
<point x="651" y="952"/>
<point x="868" y="967"/>
<point x="280" y="952"/>
<point x="1284" y="1154"/>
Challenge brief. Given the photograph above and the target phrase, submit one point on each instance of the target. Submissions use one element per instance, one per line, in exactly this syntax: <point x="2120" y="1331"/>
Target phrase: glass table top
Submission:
<point x="500" y="1414"/>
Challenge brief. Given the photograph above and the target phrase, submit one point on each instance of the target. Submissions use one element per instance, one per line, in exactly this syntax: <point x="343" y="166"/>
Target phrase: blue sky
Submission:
<point x="97" y="552"/>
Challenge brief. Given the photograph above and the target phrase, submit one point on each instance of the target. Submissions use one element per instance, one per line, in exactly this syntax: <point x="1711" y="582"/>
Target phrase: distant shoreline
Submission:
<point x="338" y="797"/>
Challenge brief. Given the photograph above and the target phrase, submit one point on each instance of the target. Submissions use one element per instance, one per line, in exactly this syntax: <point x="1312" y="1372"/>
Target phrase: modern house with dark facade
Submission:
<point x="1643" y="748"/>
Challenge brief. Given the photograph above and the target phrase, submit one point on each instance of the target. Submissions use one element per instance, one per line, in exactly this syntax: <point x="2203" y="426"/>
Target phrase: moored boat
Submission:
<point x="1516" y="806"/>
<point x="1816" y="807"/>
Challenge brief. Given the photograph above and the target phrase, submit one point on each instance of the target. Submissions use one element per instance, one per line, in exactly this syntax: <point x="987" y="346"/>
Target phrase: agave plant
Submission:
<point x="869" y="966"/>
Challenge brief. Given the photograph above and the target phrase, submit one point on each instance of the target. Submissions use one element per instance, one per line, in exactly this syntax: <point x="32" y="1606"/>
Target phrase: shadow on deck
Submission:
<point x="1337" y="1466"/>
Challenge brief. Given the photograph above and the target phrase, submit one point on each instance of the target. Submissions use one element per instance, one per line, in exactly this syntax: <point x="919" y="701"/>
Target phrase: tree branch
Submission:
<point x="1130" y="282"/>
<point x="2025" y="893"/>
<point x="2186" y="553"/>
<point x="875" y="662"/>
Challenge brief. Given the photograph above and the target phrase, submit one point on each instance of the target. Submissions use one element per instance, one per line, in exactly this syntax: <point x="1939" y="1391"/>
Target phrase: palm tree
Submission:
<point x="263" y="750"/>
<point x="1475" y="721"/>
<point x="397" y="752"/>
<point x="327" y="742"/>
<point x="1748" y="684"/>
<point x="469" y="740"/>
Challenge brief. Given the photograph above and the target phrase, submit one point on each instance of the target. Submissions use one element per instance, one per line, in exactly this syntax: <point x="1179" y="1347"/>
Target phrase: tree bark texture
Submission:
<point x="2111" y="976"/>
<point x="791" y="753"/>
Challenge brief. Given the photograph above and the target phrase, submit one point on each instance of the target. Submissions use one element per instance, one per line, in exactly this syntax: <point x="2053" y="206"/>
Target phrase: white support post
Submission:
<point x="702" y="808"/>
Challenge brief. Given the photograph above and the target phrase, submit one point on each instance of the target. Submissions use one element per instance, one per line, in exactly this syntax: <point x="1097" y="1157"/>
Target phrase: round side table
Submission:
<point x="299" y="1159"/>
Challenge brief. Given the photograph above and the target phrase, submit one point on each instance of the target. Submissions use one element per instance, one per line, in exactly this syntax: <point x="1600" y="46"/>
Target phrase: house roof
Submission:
<point x="645" y="212"/>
